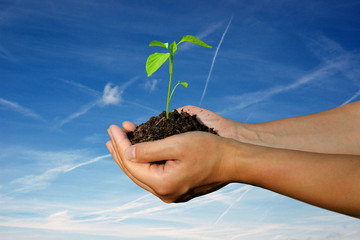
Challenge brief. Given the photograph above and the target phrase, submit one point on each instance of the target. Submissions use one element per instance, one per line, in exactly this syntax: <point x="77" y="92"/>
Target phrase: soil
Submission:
<point x="159" y="127"/>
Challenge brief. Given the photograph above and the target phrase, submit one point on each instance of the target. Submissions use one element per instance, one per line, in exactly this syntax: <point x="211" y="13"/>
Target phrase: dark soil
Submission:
<point x="159" y="127"/>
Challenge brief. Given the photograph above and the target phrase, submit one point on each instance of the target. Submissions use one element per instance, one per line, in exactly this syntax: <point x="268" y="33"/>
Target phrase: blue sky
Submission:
<point x="69" y="69"/>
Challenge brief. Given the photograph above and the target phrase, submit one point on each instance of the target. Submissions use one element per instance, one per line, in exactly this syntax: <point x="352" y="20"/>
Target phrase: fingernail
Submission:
<point x="130" y="153"/>
<point x="109" y="131"/>
<point x="109" y="147"/>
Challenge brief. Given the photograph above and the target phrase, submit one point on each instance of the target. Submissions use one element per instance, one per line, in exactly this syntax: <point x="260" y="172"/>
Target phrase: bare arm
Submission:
<point x="330" y="181"/>
<point x="333" y="131"/>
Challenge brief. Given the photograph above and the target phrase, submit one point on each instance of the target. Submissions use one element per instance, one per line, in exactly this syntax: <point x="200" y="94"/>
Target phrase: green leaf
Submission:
<point x="192" y="39"/>
<point x="155" y="61"/>
<point x="185" y="84"/>
<point x="159" y="44"/>
<point x="173" y="47"/>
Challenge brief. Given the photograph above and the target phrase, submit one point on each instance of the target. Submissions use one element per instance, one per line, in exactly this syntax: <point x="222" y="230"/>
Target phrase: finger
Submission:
<point x="125" y="170"/>
<point x="119" y="139"/>
<point x="110" y="147"/>
<point x="190" y="109"/>
<point x="148" y="152"/>
<point x="118" y="143"/>
<point x="202" y="115"/>
<point x="129" y="126"/>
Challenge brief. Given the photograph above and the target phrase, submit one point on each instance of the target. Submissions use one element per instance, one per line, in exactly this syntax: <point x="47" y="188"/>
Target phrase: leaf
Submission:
<point x="185" y="84"/>
<point x="173" y="47"/>
<point x="155" y="61"/>
<point x="159" y="44"/>
<point x="192" y="39"/>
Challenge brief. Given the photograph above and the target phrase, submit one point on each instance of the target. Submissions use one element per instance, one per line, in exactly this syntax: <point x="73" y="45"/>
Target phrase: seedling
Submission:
<point x="157" y="59"/>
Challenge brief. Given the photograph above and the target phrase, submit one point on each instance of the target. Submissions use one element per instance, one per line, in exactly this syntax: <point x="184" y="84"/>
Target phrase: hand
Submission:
<point x="223" y="126"/>
<point x="191" y="169"/>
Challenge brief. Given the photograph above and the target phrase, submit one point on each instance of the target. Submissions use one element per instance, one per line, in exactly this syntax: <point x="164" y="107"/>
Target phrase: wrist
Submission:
<point x="238" y="159"/>
<point x="249" y="133"/>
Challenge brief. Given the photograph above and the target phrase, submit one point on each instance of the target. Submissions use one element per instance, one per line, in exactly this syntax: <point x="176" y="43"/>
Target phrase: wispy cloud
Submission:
<point x="338" y="61"/>
<point x="83" y="88"/>
<point x="40" y="181"/>
<point x="146" y="212"/>
<point x="245" y="189"/>
<point x="213" y="61"/>
<point x="325" y="48"/>
<point x="143" y="107"/>
<point x="83" y="110"/>
<point x="150" y="85"/>
<point x="111" y="95"/>
<point x="20" y="109"/>
<point x="353" y="97"/>
<point x="6" y="54"/>
<point x="249" y="99"/>
<point x="146" y="217"/>
<point x="202" y="35"/>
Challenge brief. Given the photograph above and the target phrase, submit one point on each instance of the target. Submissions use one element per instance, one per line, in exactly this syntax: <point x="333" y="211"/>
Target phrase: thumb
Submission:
<point x="156" y="151"/>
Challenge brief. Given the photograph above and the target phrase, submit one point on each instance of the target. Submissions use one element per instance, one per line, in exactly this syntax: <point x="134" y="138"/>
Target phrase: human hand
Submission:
<point x="190" y="169"/>
<point x="223" y="126"/>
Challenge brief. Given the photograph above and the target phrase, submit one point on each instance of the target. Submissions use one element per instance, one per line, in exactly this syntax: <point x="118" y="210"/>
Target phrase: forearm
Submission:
<point x="333" y="131"/>
<point x="330" y="181"/>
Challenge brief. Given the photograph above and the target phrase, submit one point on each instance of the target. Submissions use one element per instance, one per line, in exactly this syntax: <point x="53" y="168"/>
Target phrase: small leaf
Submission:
<point x="173" y="47"/>
<point x="185" y="84"/>
<point x="190" y="38"/>
<point x="159" y="44"/>
<point x="155" y="61"/>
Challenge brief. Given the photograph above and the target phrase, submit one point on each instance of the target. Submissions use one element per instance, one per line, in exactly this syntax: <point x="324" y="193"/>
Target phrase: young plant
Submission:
<point x="157" y="59"/>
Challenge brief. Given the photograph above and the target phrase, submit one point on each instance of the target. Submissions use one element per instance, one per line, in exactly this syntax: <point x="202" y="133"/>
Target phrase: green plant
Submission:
<point x="157" y="59"/>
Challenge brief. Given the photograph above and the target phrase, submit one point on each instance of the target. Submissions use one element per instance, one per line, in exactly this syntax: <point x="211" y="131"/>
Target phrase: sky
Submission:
<point x="70" y="69"/>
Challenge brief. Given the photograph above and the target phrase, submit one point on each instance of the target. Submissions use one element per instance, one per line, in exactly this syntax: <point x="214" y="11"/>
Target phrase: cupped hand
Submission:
<point x="223" y="126"/>
<point x="196" y="163"/>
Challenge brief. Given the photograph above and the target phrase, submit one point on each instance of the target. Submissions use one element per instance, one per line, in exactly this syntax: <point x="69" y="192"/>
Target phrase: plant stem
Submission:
<point x="172" y="92"/>
<point x="171" y="60"/>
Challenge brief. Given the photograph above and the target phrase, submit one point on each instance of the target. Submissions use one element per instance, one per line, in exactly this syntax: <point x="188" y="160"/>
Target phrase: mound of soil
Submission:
<point x="159" y="127"/>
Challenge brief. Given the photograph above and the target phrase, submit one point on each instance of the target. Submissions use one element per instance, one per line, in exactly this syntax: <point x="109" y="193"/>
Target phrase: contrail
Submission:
<point x="213" y="61"/>
<point x="357" y="94"/>
<point x="246" y="189"/>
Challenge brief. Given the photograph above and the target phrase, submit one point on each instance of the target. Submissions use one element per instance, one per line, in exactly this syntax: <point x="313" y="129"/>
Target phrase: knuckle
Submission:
<point x="163" y="190"/>
<point x="167" y="189"/>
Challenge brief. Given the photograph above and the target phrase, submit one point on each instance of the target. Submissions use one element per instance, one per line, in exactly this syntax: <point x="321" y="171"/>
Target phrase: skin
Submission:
<point x="313" y="158"/>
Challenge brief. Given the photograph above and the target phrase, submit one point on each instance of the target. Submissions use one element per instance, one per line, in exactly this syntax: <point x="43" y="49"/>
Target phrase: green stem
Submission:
<point x="171" y="60"/>
<point x="172" y="92"/>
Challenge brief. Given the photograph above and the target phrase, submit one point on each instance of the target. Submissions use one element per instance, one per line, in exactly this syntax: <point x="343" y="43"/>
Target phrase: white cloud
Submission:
<point x="111" y="95"/>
